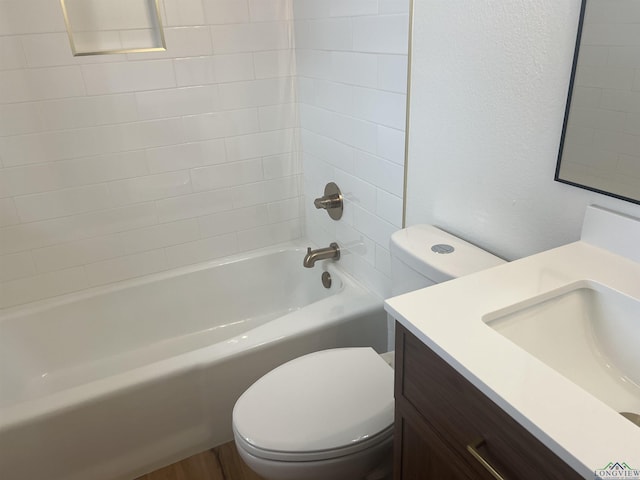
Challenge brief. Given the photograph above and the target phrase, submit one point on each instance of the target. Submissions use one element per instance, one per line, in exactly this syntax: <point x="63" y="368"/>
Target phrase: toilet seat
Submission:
<point x="382" y="437"/>
<point x="323" y="405"/>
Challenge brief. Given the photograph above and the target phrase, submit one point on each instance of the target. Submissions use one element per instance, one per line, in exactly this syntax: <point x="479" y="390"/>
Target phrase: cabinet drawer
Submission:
<point x="463" y="416"/>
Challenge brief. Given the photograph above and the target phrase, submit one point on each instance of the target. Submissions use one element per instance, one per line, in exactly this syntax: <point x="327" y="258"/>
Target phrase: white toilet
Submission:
<point x="329" y="414"/>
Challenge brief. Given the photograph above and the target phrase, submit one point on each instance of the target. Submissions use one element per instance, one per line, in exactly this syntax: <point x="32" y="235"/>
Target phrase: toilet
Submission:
<point x="329" y="414"/>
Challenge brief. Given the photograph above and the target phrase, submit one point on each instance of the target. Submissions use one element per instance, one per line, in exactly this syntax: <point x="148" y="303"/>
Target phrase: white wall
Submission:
<point x="352" y="62"/>
<point x="117" y="166"/>
<point x="489" y="87"/>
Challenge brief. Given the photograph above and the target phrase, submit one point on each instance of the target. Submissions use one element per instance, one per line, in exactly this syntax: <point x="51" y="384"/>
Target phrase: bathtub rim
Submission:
<point x="15" y="415"/>
<point x="13" y="311"/>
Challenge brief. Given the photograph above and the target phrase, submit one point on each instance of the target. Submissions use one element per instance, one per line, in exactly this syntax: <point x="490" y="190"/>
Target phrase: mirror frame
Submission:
<point x="583" y="8"/>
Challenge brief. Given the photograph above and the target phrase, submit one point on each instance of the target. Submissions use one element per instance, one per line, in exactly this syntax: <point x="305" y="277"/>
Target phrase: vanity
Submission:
<point x="445" y="428"/>
<point x="521" y="371"/>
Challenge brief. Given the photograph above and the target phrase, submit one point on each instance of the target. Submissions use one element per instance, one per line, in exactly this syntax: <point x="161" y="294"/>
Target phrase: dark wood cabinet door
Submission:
<point x="421" y="462"/>
<point x="451" y="420"/>
<point x="421" y="454"/>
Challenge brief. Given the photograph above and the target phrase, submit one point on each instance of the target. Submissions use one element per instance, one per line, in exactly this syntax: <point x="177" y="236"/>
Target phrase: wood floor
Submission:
<point x="220" y="463"/>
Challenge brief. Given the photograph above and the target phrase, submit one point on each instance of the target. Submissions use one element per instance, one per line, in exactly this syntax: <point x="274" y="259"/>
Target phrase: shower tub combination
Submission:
<point x="113" y="382"/>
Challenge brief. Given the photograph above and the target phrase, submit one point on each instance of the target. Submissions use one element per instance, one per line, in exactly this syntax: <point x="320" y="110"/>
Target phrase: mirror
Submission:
<point x="600" y="146"/>
<point x="113" y="26"/>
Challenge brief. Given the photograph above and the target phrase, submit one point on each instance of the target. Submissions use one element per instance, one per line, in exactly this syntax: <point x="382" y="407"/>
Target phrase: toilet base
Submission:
<point x="371" y="464"/>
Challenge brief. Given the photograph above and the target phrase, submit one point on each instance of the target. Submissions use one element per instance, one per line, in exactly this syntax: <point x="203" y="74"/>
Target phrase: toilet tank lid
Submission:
<point x="413" y="246"/>
<point x="321" y="401"/>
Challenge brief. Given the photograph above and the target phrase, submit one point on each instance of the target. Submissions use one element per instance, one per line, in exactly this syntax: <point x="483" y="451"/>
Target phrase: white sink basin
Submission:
<point x="585" y="331"/>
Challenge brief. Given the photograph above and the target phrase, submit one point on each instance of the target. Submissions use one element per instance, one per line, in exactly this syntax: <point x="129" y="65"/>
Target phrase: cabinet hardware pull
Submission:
<point x="473" y="450"/>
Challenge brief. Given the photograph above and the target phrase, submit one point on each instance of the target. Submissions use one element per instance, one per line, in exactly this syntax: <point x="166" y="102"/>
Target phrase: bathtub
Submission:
<point x="113" y="382"/>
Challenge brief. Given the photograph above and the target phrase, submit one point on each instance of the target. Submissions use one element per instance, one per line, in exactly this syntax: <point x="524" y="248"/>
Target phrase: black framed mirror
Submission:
<point x="600" y="144"/>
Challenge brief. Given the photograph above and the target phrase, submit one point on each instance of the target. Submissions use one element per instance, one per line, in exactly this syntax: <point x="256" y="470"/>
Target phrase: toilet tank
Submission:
<point x="423" y="255"/>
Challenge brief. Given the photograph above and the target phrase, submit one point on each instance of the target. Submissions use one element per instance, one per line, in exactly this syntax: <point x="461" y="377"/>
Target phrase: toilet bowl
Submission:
<point x="326" y="415"/>
<point x="329" y="415"/>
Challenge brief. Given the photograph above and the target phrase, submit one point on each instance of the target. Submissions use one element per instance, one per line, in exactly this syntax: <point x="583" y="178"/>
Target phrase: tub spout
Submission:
<point x="312" y="256"/>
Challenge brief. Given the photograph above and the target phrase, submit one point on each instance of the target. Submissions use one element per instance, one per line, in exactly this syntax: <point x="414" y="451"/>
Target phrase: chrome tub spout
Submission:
<point x="312" y="256"/>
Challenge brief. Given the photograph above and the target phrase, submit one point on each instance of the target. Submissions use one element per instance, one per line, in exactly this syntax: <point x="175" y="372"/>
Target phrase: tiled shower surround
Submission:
<point x="351" y="61"/>
<point x="118" y="166"/>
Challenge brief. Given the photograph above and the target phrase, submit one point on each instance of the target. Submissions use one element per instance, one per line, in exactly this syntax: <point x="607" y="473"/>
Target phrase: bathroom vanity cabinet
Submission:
<point x="446" y="429"/>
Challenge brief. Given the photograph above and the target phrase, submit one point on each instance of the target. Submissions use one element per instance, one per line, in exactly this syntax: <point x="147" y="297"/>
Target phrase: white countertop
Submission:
<point x="448" y="317"/>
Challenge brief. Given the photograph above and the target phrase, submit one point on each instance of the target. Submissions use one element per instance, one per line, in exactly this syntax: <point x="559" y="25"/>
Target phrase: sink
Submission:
<point x="587" y="332"/>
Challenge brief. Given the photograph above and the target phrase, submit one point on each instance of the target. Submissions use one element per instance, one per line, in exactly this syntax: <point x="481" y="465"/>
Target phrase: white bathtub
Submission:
<point x="117" y="381"/>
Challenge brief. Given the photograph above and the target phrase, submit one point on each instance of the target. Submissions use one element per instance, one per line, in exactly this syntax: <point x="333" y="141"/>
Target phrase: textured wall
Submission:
<point x="352" y="62"/>
<point x="488" y="94"/>
<point x="121" y="165"/>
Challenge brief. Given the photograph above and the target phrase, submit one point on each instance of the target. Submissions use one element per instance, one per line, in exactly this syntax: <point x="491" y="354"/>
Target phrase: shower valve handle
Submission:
<point x="331" y="201"/>
<point x="328" y="202"/>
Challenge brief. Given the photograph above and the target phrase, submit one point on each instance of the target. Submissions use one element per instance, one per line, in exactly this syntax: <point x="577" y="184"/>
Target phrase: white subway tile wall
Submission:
<point x="351" y="59"/>
<point x="118" y="166"/>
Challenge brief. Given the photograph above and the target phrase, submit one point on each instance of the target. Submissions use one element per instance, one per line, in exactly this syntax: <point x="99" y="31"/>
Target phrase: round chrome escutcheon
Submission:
<point x="326" y="279"/>
<point x="442" y="248"/>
